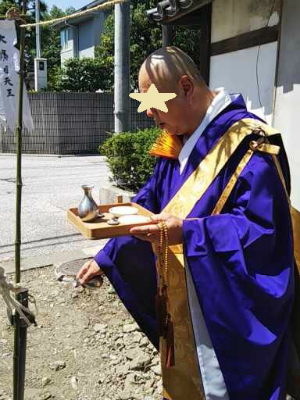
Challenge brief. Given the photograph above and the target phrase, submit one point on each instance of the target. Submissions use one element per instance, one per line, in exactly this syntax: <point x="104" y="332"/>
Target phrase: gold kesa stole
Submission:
<point x="180" y="370"/>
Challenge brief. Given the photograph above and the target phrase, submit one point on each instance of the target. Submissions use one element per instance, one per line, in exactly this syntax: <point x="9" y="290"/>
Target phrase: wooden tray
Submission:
<point x="99" y="229"/>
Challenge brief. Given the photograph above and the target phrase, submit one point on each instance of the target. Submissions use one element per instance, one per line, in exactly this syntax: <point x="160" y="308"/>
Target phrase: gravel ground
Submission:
<point x="86" y="346"/>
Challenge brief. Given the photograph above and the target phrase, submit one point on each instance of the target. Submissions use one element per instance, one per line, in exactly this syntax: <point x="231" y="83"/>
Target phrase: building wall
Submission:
<point x="98" y="26"/>
<point x="234" y="17"/>
<point x="287" y="104"/>
<point x="82" y="38"/>
<point x="86" y="38"/>
<point x="236" y="71"/>
<point x="69" y="47"/>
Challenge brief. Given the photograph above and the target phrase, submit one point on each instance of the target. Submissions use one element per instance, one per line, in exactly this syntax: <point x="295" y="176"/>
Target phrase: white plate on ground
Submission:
<point x="123" y="210"/>
<point x="134" y="219"/>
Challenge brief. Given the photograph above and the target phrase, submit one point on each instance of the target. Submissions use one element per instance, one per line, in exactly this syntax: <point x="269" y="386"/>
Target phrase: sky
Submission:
<point x="63" y="4"/>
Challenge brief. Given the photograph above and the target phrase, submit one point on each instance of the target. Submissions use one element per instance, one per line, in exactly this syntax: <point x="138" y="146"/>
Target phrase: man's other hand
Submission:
<point x="88" y="271"/>
<point x="151" y="233"/>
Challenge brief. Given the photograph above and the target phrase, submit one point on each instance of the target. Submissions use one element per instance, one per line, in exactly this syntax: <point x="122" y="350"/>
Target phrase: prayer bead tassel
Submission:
<point x="164" y="320"/>
<point x="170" y="353"/>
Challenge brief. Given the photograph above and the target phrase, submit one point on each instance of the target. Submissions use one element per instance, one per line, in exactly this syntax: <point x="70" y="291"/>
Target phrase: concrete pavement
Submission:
<point x="51" y="185"/>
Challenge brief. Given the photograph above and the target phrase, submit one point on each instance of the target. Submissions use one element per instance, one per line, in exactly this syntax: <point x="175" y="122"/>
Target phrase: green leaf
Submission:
<point x="128" y="157"/>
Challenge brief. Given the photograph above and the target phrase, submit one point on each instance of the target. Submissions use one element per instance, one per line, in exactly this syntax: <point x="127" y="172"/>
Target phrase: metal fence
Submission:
<point x="70" y="123"/>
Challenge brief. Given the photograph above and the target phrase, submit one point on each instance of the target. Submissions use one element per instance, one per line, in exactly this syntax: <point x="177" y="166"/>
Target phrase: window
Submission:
<point x="65" y="37"/>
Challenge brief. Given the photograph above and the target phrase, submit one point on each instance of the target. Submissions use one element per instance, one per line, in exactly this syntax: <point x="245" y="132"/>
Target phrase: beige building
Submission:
<point x="251" y="47"/>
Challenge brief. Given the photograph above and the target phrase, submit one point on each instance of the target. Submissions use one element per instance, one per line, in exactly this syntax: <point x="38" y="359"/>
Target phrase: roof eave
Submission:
<point x="59" y="25"/>
<point x="168" y="11"/>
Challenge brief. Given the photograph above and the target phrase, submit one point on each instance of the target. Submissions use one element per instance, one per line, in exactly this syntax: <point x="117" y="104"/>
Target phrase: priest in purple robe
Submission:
<point x="211" y="280"/>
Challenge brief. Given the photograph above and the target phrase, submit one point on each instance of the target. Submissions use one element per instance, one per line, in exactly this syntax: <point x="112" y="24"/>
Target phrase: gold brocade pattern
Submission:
<point x="183" y="381"/>
<point x="199" y="181"/>
<point x="296" y="230"/>
<point x="230" y="185"/>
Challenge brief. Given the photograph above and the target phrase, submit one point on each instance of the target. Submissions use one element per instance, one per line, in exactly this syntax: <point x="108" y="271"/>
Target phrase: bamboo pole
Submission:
<point x="20" y="342"/>
<point x="18" y="135"/>
<point x="20" y="328"/>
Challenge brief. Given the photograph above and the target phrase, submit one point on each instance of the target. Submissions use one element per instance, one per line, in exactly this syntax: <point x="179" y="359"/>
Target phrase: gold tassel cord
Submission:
<point x="166" y="145"/>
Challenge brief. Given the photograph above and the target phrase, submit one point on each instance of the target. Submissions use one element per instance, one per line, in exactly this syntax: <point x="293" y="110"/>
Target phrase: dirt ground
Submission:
<point x="85" y="347"/>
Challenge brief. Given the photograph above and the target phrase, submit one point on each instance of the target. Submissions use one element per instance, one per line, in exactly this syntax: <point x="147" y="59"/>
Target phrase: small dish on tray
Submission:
<point x="134" y="219"/>
<point x="120" y="211"/>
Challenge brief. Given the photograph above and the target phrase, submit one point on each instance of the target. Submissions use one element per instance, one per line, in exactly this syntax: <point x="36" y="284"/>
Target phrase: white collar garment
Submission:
<point x="221" y="101"/>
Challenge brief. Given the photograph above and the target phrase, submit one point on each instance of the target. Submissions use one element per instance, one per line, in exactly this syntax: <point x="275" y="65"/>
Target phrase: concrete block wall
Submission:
<point x="69" y="123"/>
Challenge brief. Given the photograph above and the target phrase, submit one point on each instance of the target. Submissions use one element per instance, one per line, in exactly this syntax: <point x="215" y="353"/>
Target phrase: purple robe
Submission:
<point x="241" y="262"/>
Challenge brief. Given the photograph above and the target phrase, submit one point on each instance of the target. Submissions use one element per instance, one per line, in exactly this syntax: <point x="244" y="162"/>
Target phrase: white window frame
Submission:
<point x="65" y="36"/>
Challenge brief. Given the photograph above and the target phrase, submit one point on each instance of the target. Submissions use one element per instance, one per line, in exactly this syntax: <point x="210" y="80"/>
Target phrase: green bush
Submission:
<point x="79" y="75"/>
<point x="128" y="157"/>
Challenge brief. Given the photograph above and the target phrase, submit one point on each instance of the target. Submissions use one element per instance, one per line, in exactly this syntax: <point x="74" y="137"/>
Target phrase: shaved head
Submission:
<point x="171" y="70"/>
<point x="167" y="65"/>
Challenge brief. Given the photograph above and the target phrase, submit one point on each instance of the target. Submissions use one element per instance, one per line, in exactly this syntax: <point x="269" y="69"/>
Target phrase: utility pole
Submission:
<point x="40" y="64"/>
<point x="122" y="67"/>
<point x="167" y="35"/>
<point x="38" y="28"/>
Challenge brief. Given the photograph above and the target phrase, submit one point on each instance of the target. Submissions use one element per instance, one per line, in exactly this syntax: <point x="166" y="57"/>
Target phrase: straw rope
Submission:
<point x="11" y="303"/>
<point x="107" y="4"/>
